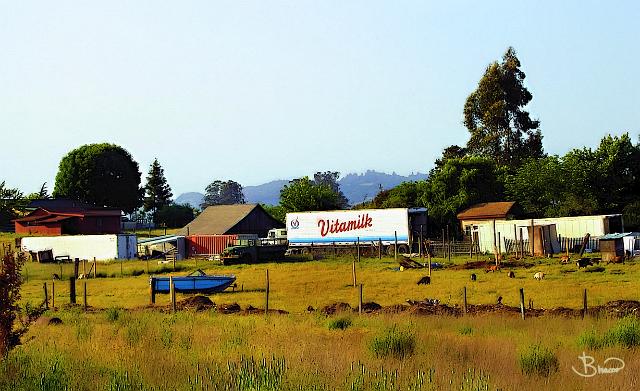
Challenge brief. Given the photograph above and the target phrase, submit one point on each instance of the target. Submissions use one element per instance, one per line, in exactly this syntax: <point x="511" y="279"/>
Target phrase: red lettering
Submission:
<point x="337" y="226"/>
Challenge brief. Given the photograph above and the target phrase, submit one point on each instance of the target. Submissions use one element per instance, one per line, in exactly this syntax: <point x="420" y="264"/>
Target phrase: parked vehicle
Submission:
<point x="368" y="227"/>
<point x="195" y="282"/>
<point x="255" y="250"/>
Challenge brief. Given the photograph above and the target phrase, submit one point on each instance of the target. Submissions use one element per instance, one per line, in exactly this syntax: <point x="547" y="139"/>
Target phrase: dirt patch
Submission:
<point x="198" y="303"/>
<point x="486" y="264"/>
<point x="370" y="307"/>
<point x="251" y="310"/>
<point x="335" y="308"/>
<point x="232" y="308"/>
<point x="620" y="308"/>
<point x="394" y="309"/>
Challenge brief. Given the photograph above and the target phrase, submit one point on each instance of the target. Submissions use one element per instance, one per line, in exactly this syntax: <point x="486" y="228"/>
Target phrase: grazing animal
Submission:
<point x="426" y="280"/>
<point x="617" y="259"/>
<point x="56" y="277"/>
<point x="583" y="262"/>
<point x="492" y="269"/>
<point x="512" y="274"/>
<point x="565" y="259"/>
<point x="539" y="276"/>
<point x="473" y="277"/>
<point x="499" y="300"/>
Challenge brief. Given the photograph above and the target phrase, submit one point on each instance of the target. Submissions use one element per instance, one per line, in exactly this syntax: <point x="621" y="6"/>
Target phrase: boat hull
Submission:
<point x="193" y="284"/>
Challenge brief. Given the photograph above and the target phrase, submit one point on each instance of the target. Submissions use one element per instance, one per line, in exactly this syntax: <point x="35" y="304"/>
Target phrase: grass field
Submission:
<point x="121" y="344"/>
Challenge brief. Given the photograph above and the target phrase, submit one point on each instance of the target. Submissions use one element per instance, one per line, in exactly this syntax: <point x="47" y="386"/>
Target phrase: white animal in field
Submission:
<point x="539" y="276"/>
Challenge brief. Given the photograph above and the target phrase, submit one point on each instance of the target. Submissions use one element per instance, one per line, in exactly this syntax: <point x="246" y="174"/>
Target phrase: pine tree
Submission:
<point x="494" y="114"/>
<point x="157" y="190"/>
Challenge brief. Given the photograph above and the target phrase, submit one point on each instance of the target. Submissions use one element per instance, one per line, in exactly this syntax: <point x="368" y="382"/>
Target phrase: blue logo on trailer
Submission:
<point x="295" y="224"/>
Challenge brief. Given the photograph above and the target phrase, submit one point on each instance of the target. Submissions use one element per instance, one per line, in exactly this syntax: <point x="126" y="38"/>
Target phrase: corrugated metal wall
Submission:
<point x="208" y="244"/>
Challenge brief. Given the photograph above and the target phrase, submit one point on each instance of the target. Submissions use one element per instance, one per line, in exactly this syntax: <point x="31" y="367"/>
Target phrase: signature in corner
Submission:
<point x="590" y="368"/>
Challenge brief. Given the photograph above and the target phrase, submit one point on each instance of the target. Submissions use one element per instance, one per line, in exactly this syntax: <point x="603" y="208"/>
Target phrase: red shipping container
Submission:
<point x="208" y="244"/>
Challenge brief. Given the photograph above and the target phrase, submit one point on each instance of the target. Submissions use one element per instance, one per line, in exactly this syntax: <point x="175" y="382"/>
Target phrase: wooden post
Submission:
<point x="84" y="294"/>
<point x="335" y="250"/>
<point x="353" y="273"/>
<point x="360" y="301"/>
<point x="444" y="255"/>
<point x="72" y="290"/>
<point x="521" y="244"/>
<point x="420" y="244"/>
<point x="95" y="268"/>
<point x="395" y="249"/>
<point x="53" y="294"/>
<point x="358" y="248"/>
<point x="76" y="264"/>
<point x="499" y="247"/>
<point x="584" y="303"/>
<point x="429" y="259"/>
<point x="121" y="274"/>
<point x="515" y="241"/>
<point x="522" y="302"/>
<point x="172" y="293"/>
<point x="266" y="298"/>
<point x="464" y="295"/>
<point x="152" y="291"/>
<point x="379" y="248"/>
<point x="46" y="296"/>
<point x="532" y="237"/>
<point x="84" y="268"/>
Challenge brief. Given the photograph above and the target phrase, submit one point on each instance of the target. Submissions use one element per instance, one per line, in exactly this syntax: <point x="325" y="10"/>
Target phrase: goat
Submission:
<point x="583" y="262"/>
<point x="512" y="274"/>
<point x="493" y="268"/>
<point x="473" y="277"/>
<point x="539" y="276"/>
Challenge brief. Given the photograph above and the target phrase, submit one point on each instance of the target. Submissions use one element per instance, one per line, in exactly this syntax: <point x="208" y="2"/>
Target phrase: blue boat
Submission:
<point x="196" y="282"/>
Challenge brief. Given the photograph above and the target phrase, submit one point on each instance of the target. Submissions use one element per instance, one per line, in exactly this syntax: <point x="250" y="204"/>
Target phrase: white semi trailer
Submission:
<point x="369" y="227"/>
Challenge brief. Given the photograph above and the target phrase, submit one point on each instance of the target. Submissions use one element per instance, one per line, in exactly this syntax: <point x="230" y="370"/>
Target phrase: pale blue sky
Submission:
<point x="260" y="90"/>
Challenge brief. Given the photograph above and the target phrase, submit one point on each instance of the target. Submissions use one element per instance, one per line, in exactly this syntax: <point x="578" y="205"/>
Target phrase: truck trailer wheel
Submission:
<point x="402" y="249"/>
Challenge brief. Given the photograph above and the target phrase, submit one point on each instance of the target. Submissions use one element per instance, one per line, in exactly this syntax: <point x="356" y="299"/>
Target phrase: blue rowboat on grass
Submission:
<point x="196" y="282"/>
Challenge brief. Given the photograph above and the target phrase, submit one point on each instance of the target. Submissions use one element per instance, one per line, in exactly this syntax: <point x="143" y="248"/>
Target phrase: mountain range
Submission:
<point x="356" y="187"/>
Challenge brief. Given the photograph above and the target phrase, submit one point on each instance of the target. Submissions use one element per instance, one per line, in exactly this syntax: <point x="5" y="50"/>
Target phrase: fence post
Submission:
<point x="266" y="301"/>
<point x="395" y="252"/>
<point x="358" y="248"/>
<point x="72" y="290"/>
<point x="522" y="302"/>
<point x="172" y="293"/>
<point x="53" y="294"/>
<point x="84" y="295"/>
<point x="95" y="268"/>
<point x="360" y="301"/>
<point x="420" y="244"/>
<point x="76" y="265"/>
<point x="46" y="296"/>
<point x="429" y="258"/>
<point x="121" y="274"/>
<point x="584" y="303"/>
<point x="379" y="248"/>
<point x="353" y="273"/>
<point x="152" y="290"/>
<point x="464" y="294"/>
<point x="533" y="239"/>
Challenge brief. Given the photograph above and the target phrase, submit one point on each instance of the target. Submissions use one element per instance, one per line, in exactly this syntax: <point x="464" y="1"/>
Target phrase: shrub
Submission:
<point x="466" y="330"/>
<point x="394" y="343"/>
<point x="339" y="323"/>
<point x="112" y="314"/>
<point x="10" y="282"/>
<point x="625" y="333"/>
<point x="538" y="360"/>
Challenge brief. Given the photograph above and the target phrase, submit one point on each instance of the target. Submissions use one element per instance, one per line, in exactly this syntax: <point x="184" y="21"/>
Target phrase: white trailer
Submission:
<point x="347" y="227"/>
<point x="100" y="247"/>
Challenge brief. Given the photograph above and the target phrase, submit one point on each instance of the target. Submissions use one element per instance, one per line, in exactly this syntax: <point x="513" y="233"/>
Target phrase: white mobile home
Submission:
<point x="100" y="247"/>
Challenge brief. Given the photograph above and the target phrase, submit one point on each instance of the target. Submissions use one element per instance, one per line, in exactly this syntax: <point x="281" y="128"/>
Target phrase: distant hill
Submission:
<point x="356" y="187"/>
<point x="193" y="198"/>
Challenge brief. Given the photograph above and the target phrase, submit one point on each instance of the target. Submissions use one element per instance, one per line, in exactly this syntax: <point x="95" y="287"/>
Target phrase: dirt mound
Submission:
<point x="434" y="309"/>
<point x="370" y="307"/>
<point x="251" y="310"/>
<point x="620" y="308"/>
<point x="229" y="308"/>
<point x="54" y="321"/>
<point x="395" y="308"/>
<point x="199" y="303"/>
<point x="336" y="307"/>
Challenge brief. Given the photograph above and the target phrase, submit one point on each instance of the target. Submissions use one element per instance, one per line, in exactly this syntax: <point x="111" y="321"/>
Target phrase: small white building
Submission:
<point x="482" y="222"/>
<point x="100" y="247"/>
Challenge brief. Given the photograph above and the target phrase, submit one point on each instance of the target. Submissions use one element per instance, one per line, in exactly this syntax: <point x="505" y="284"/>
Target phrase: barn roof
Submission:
<point x="487" y="211"/>
<point x="219" y="219"/>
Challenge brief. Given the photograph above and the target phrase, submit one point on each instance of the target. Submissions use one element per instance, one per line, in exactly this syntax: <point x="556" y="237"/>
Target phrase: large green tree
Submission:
<point x="174" y="216"/>
<point x="304" y="194"/>
<point x="223" y="193"/>
<point x="157" y="190"/>
<point x="330" y="178"/>
<point x="100" y="174"/>
<point x="10" y="201"/>
<point x="458" y="184"/>
<point x="494" y="115"/>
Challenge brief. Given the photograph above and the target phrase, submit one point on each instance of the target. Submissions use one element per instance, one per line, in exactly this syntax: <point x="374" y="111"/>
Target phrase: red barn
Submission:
<point x="69" y="220"/>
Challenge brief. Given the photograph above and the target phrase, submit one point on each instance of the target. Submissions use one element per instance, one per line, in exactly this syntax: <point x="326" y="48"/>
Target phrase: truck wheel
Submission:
<point x="403" y="249"/>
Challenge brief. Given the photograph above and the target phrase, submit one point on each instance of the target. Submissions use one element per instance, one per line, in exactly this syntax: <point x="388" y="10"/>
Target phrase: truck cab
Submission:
<point x="275" y="236"/>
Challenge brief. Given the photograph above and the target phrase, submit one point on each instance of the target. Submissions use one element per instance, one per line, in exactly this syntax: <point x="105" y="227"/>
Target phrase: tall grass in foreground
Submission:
<point x="625" y="333"/>
<point x="393" y="343"/>
<point x="538" y="360"/>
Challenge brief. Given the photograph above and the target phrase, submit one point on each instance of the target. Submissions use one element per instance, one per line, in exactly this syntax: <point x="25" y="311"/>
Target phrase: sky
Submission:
<point x="261" y="90"/>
